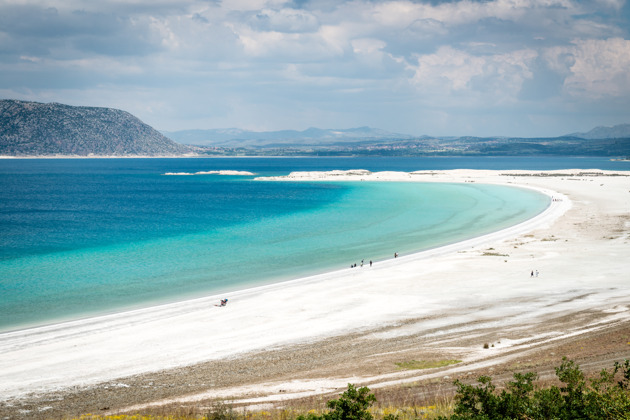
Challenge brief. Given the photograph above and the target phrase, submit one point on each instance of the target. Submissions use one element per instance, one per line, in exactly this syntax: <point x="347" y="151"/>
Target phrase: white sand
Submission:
<point x="579" y="245"/>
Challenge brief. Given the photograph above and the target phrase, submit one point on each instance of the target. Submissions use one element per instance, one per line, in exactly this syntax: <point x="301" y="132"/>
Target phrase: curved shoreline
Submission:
<point x="87" y="352"/>
<point x="380" y="238"/>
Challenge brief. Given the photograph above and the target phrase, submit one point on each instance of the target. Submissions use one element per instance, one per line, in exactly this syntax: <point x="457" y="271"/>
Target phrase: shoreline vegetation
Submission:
<point x="467" y="310"/>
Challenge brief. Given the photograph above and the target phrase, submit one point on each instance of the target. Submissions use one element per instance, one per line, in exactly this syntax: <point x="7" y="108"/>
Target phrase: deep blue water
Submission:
<point x="117" y="233"/>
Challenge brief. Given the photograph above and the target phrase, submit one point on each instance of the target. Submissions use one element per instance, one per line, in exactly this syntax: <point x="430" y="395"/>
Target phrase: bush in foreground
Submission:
<point x="353" y="404"/>
<point x="605" y="397"/>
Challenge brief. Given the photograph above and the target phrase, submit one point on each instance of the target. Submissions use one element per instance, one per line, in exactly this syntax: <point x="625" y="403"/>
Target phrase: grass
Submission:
<point x="412" y="412"/>
<point x="426" y="364"/>
<point x="408" y="402"/>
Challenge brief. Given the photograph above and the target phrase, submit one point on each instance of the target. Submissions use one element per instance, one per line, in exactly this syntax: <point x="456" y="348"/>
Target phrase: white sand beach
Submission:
<point x="477" y="291"/>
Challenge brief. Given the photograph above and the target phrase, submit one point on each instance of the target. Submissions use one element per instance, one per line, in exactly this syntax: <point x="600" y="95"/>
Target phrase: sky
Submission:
<point x="526" y="68"/>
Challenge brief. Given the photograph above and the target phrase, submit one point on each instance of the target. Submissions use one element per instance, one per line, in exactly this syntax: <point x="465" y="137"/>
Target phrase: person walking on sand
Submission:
<point x="370" y="263"/>
<point x="532" y="275"/>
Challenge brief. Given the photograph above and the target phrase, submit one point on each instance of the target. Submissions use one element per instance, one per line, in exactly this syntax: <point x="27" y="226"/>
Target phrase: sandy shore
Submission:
<point x="315" y="335"/>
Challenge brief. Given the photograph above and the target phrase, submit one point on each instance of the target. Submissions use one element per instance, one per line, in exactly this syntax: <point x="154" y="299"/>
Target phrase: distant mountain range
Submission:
<point x="366" y="141"/>
<point x="616" y="132"/>
<point x="52" y="129"/>
<point x="49" y="129"/>
<point x="234" y="137"/>
<point x="317" y="137"/>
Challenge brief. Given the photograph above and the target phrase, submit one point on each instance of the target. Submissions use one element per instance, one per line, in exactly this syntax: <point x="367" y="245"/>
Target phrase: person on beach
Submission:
<point x="370" y="263"/>
<point x="532" y="275"/>
<point x="395" y="254"/>
<point x="223" y="302"/>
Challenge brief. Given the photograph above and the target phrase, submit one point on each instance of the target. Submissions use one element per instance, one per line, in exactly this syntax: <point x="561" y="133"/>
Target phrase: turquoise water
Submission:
<point x="84" y="237"/>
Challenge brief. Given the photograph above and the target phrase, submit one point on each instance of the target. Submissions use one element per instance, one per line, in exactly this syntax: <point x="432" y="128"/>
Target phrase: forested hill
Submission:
<point x="48" y="129"/>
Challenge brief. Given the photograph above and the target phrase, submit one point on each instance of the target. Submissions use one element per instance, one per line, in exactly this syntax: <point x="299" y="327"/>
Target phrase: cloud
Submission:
<point x="599" y="69"/>
<point x="592" y="69"/>
<point x="284" y="20"/>
<point x="70" y="33"/>
<point x="321" y="61"/>
<point x="495" y="77"/>
<point x="368" y="46"/>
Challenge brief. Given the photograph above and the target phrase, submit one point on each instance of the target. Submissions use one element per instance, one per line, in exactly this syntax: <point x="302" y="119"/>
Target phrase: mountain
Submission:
<point x="234" y="137"/>
<point x="50" y="129"/>
<point x="621" y="131"/>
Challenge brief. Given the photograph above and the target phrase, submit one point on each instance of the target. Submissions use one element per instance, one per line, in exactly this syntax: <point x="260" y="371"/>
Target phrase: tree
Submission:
<point x="605" y="398"/>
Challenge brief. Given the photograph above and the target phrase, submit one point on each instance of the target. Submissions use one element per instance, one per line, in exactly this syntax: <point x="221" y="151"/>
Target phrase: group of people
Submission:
<point x="355" y="264"/>
<point x="534" y="273"/>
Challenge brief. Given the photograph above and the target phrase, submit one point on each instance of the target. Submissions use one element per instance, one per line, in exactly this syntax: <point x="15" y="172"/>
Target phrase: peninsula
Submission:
<point x="50" y="129"/>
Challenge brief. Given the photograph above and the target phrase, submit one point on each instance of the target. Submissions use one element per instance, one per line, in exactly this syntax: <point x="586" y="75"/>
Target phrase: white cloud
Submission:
<point x="592" y="69"/>
<point x="336" y="38"/>
<point x="448" y="69"/>
<point x="404" y="13"/>
<point x="614" y="4"/>
<point x="283" y="47"/>
<point x="251" y="5"/>
<point x="497" y="77"/>
<point x="167" y="37"/>
<point x="284" y="20"/>
<point x="601" y="68"/>
<point x="367" y="46"/>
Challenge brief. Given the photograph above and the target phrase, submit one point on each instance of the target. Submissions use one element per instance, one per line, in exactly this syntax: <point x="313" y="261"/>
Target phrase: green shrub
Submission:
<point x="221" y="411"/>
<point x="353" y="404"/>
<point x="604" y="398"/>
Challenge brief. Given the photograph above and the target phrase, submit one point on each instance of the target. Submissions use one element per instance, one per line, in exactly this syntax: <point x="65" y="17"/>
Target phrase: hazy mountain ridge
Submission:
<point x="48" y="129"/>
<point x="615" y="132"/>
<point x="235" y="137"/>
<point x="366" y="141"/>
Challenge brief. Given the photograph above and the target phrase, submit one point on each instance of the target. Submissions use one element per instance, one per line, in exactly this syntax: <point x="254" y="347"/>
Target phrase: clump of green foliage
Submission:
<point x="222" y="411"/>
<point x="605" y="397"/>
<point x="353" y="404"/>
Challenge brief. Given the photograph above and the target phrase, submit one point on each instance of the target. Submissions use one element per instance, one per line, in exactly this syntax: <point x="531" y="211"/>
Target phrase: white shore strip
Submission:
<point x="565" y="243"/>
